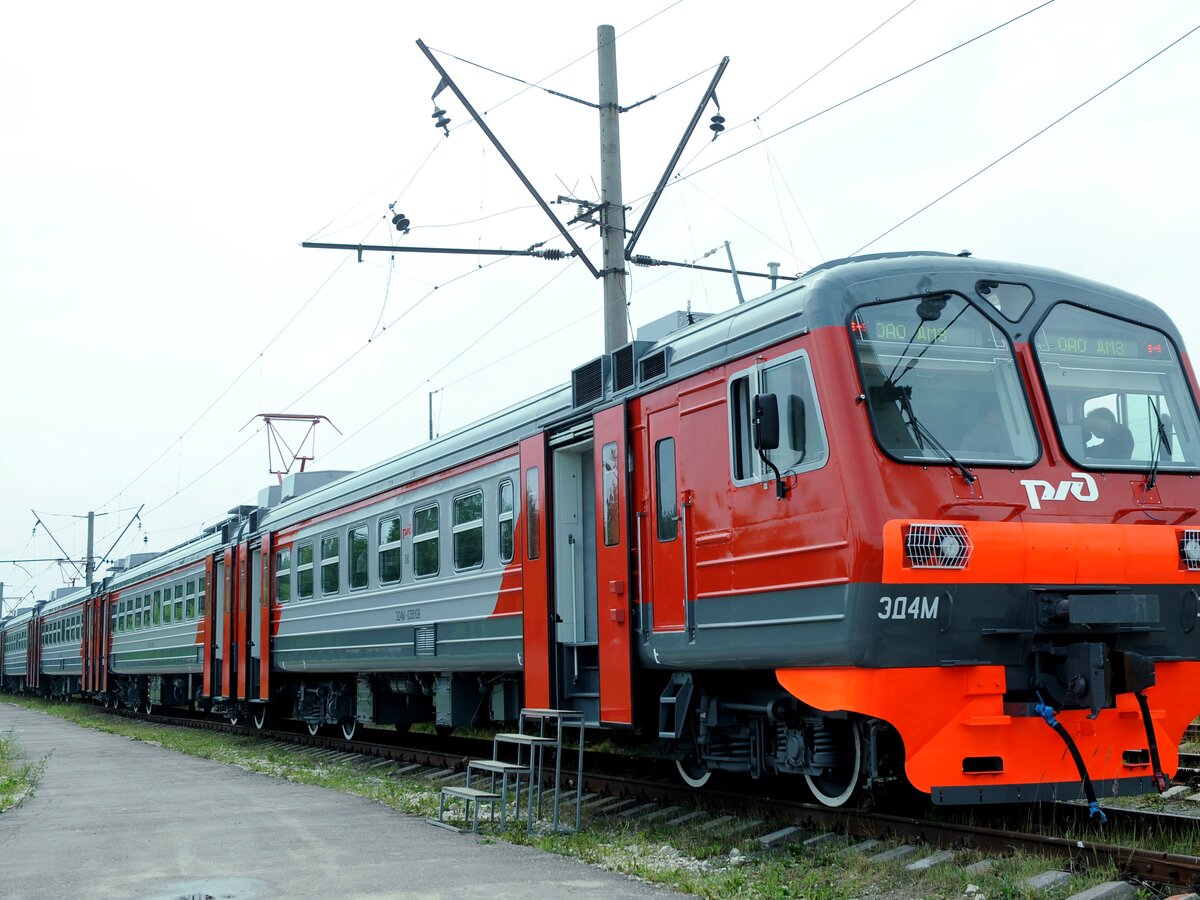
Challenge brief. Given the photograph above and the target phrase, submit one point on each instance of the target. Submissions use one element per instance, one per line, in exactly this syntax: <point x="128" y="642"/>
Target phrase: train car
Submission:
<point x="151" y="630"/>
<point x="915" y="515"/>
<point x="61" y="657"/>
<point x="17" y="657"/>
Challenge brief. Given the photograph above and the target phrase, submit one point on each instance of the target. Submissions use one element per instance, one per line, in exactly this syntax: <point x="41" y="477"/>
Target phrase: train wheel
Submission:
<point x="403" y="727"/>
<point x="443" y="731"/>
<point x="313" y="728"/>
<point x="837" y="782"/>
<point x="349" y="726"/>
<point x="693" y="772"/>
<point x="148" y="707"/>
<point x="235" y="717"/>
<point x="260" y="717"/>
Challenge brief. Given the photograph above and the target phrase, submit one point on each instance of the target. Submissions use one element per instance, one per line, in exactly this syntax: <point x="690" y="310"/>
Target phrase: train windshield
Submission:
<point x="942" y="383"/>
<point x="1117" y="391"/>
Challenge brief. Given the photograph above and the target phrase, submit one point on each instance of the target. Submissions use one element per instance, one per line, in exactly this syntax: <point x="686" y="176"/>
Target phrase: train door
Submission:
<point x="214" y="586"/>
<point x="225" y="599"/>
<point x="247" y="623"/>
<point x="668" y="529"/>
<point x="33" y="652"/>
<point x="573" y="539"/>
<point x="613" y="626"/>
<point x="260" y="637"/>
<point x="536" y="656"/>
<point x="239" y="613"/>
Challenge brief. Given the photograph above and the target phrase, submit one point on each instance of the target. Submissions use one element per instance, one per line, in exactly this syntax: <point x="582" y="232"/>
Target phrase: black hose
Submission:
<point x="1160" y="778"/>
<point x="1088" y="789"/>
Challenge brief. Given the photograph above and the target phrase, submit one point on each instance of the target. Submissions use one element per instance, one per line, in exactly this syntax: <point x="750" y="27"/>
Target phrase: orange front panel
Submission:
<point x="1048" y="553"/>
<point x="947" y="714"/>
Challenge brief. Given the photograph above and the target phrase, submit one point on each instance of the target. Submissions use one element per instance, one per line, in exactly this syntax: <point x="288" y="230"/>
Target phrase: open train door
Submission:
<point x="613" y="620"/>
<point x="538" y="660"/>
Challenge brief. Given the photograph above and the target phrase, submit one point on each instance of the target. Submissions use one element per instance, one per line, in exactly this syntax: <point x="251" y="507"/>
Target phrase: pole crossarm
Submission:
<point x="578" y="251"/>
<point x="643" y="260"/>
<point x="551" y="254"/>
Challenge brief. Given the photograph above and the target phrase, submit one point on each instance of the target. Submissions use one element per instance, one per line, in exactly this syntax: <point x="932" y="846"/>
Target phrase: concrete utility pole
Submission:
<point x="612" y="207"/>
<point x="89" y="565"/>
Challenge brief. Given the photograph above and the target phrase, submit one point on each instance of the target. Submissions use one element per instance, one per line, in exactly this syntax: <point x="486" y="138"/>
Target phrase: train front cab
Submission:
<point x="1033" y="595"/>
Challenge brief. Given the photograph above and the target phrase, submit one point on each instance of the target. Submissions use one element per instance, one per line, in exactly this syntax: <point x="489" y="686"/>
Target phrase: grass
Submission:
<point x="18" y="776"/>
<point x="706" y="863"/>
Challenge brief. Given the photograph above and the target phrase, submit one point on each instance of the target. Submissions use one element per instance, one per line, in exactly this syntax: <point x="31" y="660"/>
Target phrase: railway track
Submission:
<point x="651" y="781"/>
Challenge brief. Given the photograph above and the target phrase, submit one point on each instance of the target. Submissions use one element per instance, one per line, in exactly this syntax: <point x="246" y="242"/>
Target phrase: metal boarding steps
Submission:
<point x="538" y="730"/>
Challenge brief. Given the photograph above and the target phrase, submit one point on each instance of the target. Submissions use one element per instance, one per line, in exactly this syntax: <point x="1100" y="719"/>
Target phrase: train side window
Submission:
<point x="391" y="549"/>
<point x="178" y="602"/>
<point x="157" y="609"/>
<point x="330" y="560"/>
<point x="283" y="575"/>
<point x="612" y="502"/>
<point x="137" y="614"/>
<point x="666" y="497"/>
<point x="505" y="520"/>
<point x="425" y="541"/>
<point x="202" y="596"/>
<point x="467" y="529"/>
<point x="167" y="617"/>
<point x="189" y="598"/>
<point x="304" y="571"/>
<point x="802" y="441"/>
<point x="360" y="554"/>
<point x="533" y="514"/>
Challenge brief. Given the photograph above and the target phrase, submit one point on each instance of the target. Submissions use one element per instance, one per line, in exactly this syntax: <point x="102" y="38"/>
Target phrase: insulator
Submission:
<point x="443" y="121"/>
<point x="401" y="222"/>
<point x="718" y="125"/>
<point x="553" y="253"/>
<point x="643" y="260"/>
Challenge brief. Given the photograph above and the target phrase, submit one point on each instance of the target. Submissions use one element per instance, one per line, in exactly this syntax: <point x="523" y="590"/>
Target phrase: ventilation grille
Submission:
<point x="587" y="382"/>
<point x="622" y="366"/>
<point x="1189" y="549"/>
<point x="425" y="640"/>
<point x="937" y="546"/>
<point x="652" y="366"/>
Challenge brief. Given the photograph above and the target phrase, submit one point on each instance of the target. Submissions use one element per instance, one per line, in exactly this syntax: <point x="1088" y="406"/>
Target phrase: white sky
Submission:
<point x="162" y="162"/>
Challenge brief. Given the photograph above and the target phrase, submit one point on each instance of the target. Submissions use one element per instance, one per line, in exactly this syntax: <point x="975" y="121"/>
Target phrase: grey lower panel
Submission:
<point x="493" y="645"/>
<point x="1036" y="793"/>
<point x="898" y="626"/>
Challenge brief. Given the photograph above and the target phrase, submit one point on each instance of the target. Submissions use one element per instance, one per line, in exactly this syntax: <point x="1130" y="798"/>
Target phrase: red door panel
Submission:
<point x="266" y="599"/>
<point x="535" y="547"/>
<point x="614" y="625"/>
<point x="241" y="637"/>
<point x="227" y="618"/>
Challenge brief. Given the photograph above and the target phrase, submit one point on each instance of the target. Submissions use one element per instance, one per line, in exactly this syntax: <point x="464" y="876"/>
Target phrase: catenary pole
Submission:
<point x="612" y="221"/>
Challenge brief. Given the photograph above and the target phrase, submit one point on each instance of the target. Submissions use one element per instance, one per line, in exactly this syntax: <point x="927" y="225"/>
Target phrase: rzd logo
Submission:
<point x="1083" y="489"/>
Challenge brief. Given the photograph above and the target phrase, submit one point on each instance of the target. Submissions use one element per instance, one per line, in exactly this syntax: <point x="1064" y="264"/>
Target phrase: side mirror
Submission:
<point x="766" y="422"/>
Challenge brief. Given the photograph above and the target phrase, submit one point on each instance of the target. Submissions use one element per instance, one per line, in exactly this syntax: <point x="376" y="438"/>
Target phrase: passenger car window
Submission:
<point x="505" y="519"/>
<point x="390" y="550"/>
<point x="304" y="571"/>
<point x="330" y="559"/>
<point x="468" y="531"/>
<point x="360" y="552"/>
<point x="425" y="541"/>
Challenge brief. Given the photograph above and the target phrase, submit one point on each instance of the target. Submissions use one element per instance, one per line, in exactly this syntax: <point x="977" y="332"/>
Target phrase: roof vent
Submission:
<point x="588" y="382"/>
<point x="652" y="366"/>
<point x="623" y="359"/>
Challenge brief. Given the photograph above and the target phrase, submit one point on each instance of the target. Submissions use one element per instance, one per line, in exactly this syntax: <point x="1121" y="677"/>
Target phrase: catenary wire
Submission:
<point x="1027" y="140"/>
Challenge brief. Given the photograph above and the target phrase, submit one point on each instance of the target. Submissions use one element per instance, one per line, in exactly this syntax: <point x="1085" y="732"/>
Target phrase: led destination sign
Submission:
<point x="1108" y="346"/>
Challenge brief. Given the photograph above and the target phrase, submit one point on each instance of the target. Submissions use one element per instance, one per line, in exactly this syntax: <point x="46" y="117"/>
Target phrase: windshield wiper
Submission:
<point x="1164" y="439"/>
<point x="903" y="395"/>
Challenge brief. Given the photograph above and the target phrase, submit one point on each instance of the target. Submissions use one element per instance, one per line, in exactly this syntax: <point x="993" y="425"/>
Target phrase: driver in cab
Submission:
<point x="1116" y="441"/>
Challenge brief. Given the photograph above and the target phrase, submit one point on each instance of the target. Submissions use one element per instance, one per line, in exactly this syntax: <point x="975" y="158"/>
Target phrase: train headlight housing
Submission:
<point x="929" y="546"/>
<point x="1189" y="548"/>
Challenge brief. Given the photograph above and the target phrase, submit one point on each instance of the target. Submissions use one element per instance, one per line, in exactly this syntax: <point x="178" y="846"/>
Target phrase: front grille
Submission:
<point x="937" y="546"/>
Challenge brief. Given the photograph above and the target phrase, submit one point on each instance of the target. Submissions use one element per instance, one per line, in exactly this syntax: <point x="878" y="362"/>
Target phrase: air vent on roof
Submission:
<point x="652" y="366"/>
<point x="587" y="382"/>
<point x="623" y="359"/>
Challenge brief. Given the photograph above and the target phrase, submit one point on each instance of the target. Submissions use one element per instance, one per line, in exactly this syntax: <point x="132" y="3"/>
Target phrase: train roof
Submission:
<point x="824" y="296"/>
<point x="64" y="600"/>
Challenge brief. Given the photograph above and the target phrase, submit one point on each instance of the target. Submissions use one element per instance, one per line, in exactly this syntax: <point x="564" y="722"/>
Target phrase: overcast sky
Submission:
<point x="162" y="163"/>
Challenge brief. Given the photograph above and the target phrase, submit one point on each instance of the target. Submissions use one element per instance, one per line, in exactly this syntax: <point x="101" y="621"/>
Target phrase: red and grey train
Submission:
<point x="914" y="515"/>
